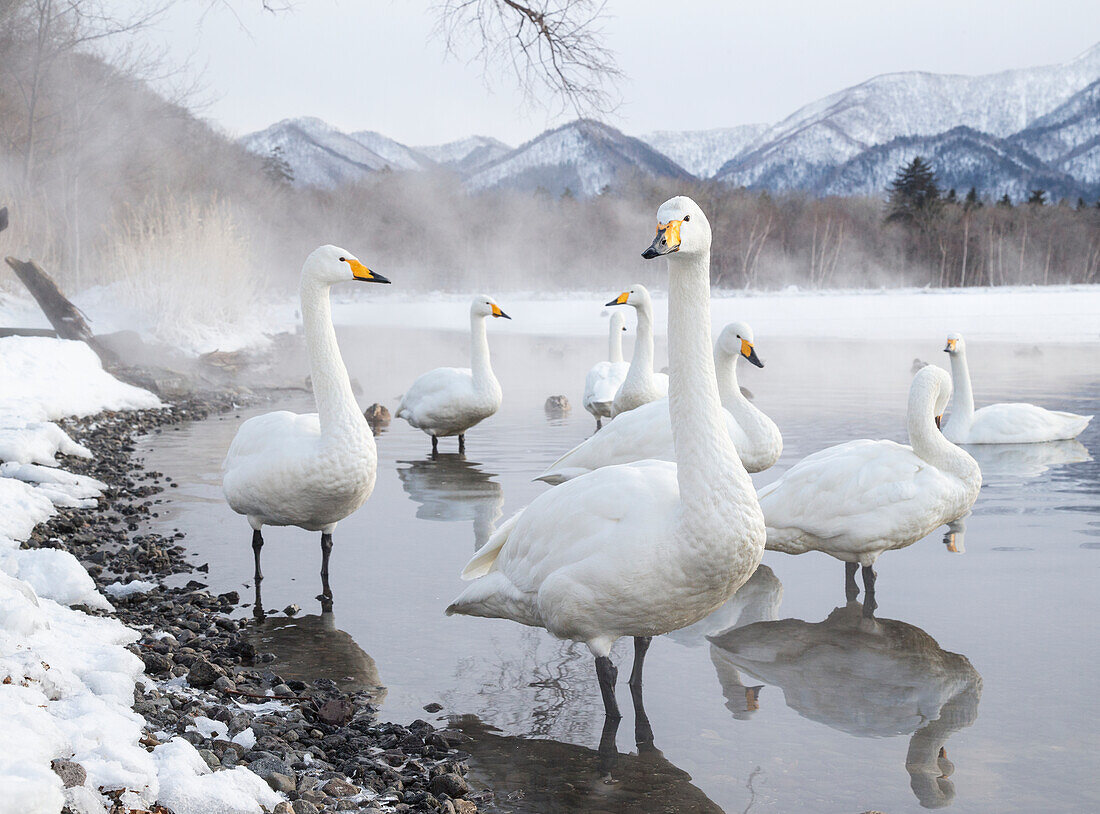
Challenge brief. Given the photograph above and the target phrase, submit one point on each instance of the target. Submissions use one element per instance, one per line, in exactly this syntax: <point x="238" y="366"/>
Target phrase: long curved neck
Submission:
<point x="725" y="366"/>
<point x="641" y="363"/>
<point x="929" y="443"/>
<point x="962" y="404"/>
<point x="336" y="405"/>
<point x="615" y="343"/>
<point x="479" y="352"/>
<point x="707" y="462"/>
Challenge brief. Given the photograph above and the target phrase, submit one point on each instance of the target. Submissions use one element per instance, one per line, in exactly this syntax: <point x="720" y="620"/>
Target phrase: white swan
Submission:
<point x="312" y="470"/>
<point x="641" y="384"/>
<point x="1000" y="423"/>
<point x="644" y="548"/>
<point x="604" y="379"/>
<point x="645" y="432"/>
<point x="449" y="400"/>
<point x="856" y="500"/>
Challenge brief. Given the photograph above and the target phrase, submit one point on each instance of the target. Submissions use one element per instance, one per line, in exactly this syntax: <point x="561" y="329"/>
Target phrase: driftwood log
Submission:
<point x="65" y="317"/>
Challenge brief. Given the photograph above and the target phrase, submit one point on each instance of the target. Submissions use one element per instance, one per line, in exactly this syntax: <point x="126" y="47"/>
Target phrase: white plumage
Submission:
<point x="604" y="378"/>
<point x="1016" y="423"/>
<point x="856" y="500"/>
<point x="450" y="400"/>
<point x="646" y="432"/>
<point x="647" y="547"/>
<point x="312" y="470"/>
<point x="641" y="384"/>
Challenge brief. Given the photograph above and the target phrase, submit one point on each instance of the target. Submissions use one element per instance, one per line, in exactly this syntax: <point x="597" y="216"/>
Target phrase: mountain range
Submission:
<point x="1007" y="132"/>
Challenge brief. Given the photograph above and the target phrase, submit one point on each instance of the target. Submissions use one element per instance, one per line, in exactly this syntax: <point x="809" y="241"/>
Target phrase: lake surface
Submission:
<point x="976" y="686"/>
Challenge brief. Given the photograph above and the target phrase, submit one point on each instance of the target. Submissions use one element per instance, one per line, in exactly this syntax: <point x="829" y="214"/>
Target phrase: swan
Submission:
<point x="856" y="500"/>
<point x="604" y="379"/>
<point x="312" y="470"/>
<point x="1000" y="423"/>
<point x="450" y="400"/>
<point x="641" y="384"/>
<point x="643" y="548"/>
<point x="645" y="432"/>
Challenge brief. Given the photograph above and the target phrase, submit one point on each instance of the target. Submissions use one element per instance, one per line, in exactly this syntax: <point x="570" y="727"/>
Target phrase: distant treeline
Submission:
<point x="108" y="181"/>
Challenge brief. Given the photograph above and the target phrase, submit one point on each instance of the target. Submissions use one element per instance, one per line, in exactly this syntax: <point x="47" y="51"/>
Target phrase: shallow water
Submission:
<point x="799" y="704"/>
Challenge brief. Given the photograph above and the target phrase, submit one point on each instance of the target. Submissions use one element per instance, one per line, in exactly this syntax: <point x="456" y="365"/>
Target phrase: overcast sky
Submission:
<point x="376" y="64"/>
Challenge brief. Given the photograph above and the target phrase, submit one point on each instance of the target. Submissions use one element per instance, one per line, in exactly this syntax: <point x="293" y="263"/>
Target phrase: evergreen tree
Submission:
<point x="914" y="193"/>
<point x="1038" y="197"/>
<point x="1006" y="202"/>
<point x="1080" y="204"/>
<point x="277" y="168"/>
<point x="972" y="200"/>
<point x="952" y="197"/>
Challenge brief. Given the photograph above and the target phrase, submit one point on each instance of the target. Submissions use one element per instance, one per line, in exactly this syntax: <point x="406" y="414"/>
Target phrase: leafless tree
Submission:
<point x="554" y="48"/>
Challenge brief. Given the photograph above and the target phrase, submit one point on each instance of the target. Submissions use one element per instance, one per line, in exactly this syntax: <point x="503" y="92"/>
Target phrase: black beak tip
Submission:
<point x="375" y="278"/>
<point x="504" y="315"/>
<point x="613" y="302"/>
<point x="650" y="253"/>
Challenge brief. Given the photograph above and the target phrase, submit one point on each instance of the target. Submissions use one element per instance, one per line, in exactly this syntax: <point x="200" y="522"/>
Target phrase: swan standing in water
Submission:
<point x="312" y="470"/>
<point x="643" y="548"/>
<point x="604" y="379"/>
<point x="1000" y="423"/>
<point x="646" y="432"/>
<point x="449" y="400"/>
<point x="856" y="500"/>
<point x="641" y="384"/>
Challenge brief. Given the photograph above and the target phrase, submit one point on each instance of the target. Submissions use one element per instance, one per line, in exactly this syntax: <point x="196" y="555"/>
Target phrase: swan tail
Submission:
<point x="482" y="562"/>
<point x="557" y="476"/>
<point x="495" y="597"/>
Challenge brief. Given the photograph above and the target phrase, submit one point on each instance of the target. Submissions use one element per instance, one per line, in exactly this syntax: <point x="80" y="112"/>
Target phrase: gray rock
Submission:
<point x="304" y="807"/>
<point x="203" y="673"/>
<point x="210" y="758"/>
<point x="453" y="785"/>
<point x="225" y="684"/>
<point x="283" y="808"/>
<point x="339" y="788"/>
<point x="281" y="782"/>
<point x="71" y="774"/>
<point x="267" y="766"/>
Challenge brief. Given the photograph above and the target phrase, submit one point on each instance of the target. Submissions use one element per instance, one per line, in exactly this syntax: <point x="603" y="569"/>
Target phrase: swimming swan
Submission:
<point x="643" y="548"/>
<point x="856" y="500"/>
<point x="603" y="380"/>
<point x="645" y="432"/>
<point x="1000" y="423"/>
<point x="641" y="384"/>
<point x="312" y="470"/>
<point x="450" y="400"/>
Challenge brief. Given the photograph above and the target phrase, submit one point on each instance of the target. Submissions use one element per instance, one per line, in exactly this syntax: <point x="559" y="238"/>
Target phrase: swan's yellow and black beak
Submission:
<point x="939" y="421"/>
<point x="749" y="352"/>
<point x="362" y="273"/>
<point x="497" y="312"/>
<point x="951" y="343"/>
<point x="667" y="240"/>
<point x="620" y="300"/>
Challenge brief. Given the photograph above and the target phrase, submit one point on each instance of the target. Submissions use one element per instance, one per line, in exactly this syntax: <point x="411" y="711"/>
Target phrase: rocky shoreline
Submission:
<point x="323" y="748"/>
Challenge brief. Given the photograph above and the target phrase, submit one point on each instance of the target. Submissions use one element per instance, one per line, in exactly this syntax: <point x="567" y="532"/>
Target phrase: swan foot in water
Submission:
<point x="258" y="605"/>
<point x="608" y="752"/>
<point x="607" y="673"/>
<point x="851" y="589"/>
<point x="869" y="603"/>
<point x="461" y="443"/>
<point x="257" y="544"/>
<point x="435" y="446"/>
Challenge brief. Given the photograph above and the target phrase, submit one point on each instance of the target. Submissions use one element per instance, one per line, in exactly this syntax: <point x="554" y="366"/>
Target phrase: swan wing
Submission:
<point x="273" y="435"/>
<point x="436" y="394"/>
<point x="1023" y="423"/>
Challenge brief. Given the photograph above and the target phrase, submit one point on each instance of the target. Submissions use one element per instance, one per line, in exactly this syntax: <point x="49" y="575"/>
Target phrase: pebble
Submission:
<point x="71" y="774"/>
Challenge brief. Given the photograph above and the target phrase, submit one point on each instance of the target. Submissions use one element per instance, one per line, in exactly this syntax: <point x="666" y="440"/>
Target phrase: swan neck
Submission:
<point x="480" y="368"/>
<point x="929" y="443"/>
<point x="641" y="363"/>
<point x="615" y="343"/>
<point x="336" y="405"/>
<point x="725" y="366"/>
<point x="962" y="403"/>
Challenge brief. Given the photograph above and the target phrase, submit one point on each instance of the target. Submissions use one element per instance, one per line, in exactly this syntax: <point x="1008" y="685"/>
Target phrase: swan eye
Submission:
<point x="343" y="260"/>
<point x="687" y="218"/>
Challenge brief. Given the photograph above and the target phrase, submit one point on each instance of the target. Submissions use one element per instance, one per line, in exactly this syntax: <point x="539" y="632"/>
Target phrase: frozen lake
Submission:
<point x="975" y="687"/>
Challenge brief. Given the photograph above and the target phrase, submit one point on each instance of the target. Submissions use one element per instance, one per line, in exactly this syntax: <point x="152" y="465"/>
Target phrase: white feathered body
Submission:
<point x="279" y="471"/>
<point x="448" y="401"/>
<point x="600" y="386"/>
<point x="638" y="390"/>
<point x="1015" y="424"/>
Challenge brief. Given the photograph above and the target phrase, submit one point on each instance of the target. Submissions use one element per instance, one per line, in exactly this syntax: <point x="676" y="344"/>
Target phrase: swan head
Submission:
<point x="637" y="295"/>
<point x="931" y="387"/>
<point x="681" y="228"/>
<point x="485" y="306"/>
<point x="955" y="344"/>
<point x="736" y="340"/>
<point x="331" y="264"/>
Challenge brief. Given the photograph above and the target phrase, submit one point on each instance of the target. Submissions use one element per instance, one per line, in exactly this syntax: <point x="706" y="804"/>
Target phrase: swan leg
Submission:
<point x="257" y="544"/>
<point x="435" y="446"/>
<point x="643" y="732"/>
<point x="258" y="605"/>
<point x="461" y="443"/>
<point x="606" y="672"/>
<point x="869" y="603"/>
<point x="326" y="549"/>
<point x="608" y="752"/>
<point x="851" y="589"/>
<point x="599" y="423"/>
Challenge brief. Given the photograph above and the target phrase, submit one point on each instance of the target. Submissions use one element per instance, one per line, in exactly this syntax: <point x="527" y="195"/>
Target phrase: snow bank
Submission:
<point x="67" y="679"/>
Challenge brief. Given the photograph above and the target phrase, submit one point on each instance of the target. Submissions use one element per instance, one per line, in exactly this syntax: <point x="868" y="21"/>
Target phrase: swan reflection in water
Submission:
<point x="451" y="488"/>
<point x="1026" y="460"/>
<point x="547" y="776"/>
<point x="310" y="647"/>
<point x="867" y="677"/>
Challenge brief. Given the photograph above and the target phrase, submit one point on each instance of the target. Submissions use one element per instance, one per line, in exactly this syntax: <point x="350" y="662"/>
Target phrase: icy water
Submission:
<point x="975" y="687"/>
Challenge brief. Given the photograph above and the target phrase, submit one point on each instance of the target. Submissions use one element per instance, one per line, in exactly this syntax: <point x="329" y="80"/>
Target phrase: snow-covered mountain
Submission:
<point x="798" y="152"/>
<point x="582" y="157"/>
<point x="703" y="152"/>
<point x="1068" y="138"/>
<point x="468" y="154"/>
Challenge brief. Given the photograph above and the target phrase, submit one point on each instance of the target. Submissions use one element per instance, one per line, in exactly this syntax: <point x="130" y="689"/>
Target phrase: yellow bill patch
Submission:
<point x="622" y="298"/>
<point x="359" y="271"/>
<point x="951" y="343"/>
<point x="672" y="232"/>
<point x="746" y="348"/>
<point x="496" y="309"/>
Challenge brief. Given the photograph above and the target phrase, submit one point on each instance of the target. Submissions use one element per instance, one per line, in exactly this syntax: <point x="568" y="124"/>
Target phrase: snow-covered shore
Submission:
<point x="67" y="679"/>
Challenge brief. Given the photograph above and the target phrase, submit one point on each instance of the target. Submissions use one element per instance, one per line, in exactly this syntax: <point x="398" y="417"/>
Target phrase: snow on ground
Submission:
<point x="67" y="679"/>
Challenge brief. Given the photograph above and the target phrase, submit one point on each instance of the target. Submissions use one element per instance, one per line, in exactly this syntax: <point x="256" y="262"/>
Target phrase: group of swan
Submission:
<point x="605" y="378"/>
<point x="658" y="523"/>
